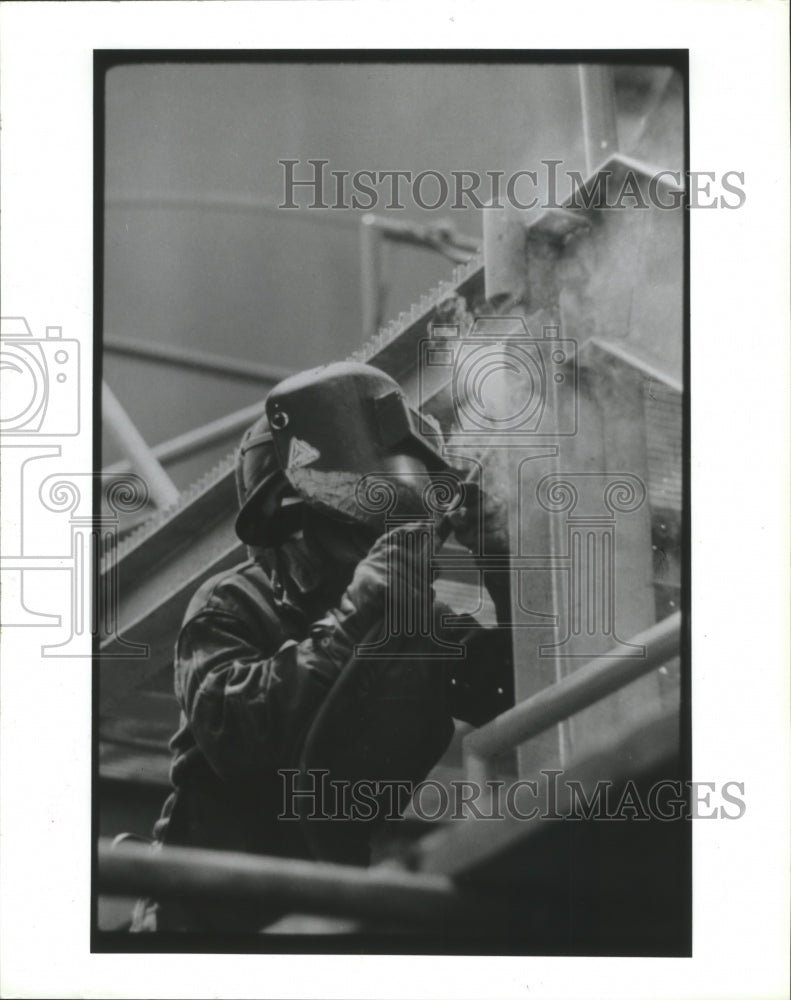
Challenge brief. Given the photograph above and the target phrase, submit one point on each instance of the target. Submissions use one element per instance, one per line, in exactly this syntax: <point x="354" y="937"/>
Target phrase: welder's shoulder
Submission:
<point x="244" y="590"/>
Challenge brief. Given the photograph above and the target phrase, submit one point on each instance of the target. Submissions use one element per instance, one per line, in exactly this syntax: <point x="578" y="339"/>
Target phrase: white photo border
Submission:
<point x="739" y="303"/>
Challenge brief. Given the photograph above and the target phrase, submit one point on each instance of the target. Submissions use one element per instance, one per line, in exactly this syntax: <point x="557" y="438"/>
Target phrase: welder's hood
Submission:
<point x="324" y="429"/>
<point x="334" y="424"/>
<point x="270" y="510"/>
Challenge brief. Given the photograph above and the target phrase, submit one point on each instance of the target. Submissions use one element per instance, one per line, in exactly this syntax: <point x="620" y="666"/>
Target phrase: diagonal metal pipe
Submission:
<point x="592" y="682"/>
<point x="141" y="457"/>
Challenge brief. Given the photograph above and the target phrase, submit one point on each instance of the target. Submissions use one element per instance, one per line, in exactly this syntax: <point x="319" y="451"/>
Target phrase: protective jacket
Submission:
<point x="261" y="648"/>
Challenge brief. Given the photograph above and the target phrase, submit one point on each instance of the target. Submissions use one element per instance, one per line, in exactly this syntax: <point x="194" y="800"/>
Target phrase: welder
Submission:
<point x="326" y="653"/>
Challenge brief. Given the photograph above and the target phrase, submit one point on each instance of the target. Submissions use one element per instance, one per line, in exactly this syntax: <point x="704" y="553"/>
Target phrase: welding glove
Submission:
<point x="392" y="579"/>
<point x="481" y="525"/>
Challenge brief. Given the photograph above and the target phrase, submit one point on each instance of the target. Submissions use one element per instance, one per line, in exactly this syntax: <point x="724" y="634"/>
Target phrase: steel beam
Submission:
<point x="157" y="569"/>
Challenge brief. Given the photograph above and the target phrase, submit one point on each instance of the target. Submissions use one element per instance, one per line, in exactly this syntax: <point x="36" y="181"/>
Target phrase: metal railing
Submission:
<point x="380" y="894"/>
<point x="376" y="236"/>
<point x="592" y="682"/>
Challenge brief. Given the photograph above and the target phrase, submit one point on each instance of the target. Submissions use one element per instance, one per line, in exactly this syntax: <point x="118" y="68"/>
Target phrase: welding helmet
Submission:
<point x="270" y="511"/>
<point x="335" y="424"/>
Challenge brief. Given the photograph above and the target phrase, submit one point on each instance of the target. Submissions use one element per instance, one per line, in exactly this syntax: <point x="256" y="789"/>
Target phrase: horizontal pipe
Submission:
<point x="384" y="894"/>
<point x="202" y="361"/>
<point x="217" y="202"/>
<point x="578" y="690"/>
<point x="199" y="438"/>
<point x="434" y="237"/>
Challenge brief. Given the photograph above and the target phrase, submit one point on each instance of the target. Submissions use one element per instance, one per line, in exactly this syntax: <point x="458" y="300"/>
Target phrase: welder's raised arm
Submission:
<point x="249" y="698"/>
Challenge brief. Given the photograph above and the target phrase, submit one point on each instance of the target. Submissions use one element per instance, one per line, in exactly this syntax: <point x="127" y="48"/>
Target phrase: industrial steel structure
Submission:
<point x="595" y="492"/>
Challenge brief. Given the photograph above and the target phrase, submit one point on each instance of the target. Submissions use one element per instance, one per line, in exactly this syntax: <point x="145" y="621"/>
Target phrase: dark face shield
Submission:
<point x="401" y="489"/>
<point x="348" y="446"/>
<point x="270" y="510"/>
